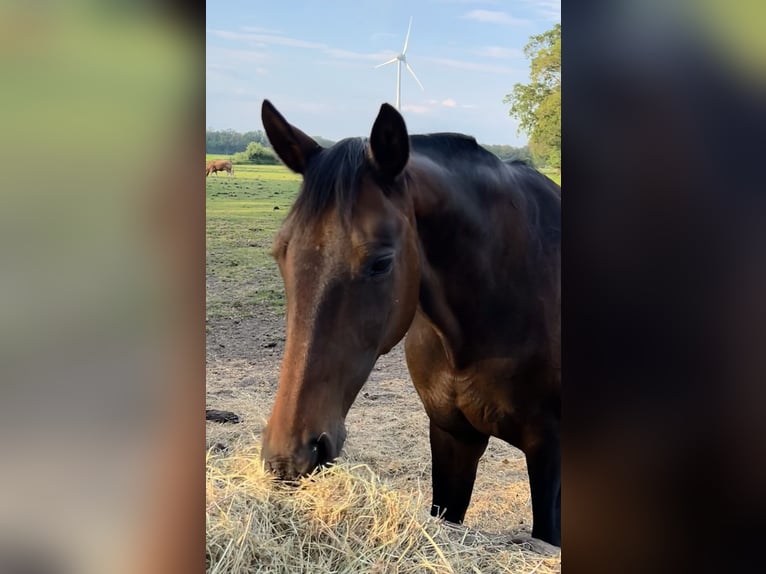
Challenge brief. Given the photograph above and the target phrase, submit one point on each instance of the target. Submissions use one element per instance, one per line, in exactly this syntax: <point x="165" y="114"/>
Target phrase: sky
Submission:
<point x="314" y="60"/>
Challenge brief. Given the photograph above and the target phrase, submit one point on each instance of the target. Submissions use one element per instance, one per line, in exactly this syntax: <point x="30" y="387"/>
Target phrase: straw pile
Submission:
<point x="342" y="520"/>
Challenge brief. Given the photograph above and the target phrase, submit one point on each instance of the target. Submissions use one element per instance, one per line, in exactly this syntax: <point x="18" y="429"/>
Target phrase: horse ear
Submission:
<point x="389" y="142"/>
<point x="293" y="146"/>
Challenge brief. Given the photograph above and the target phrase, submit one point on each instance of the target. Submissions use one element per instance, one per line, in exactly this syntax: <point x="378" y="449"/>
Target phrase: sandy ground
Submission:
<point x="387" y="425"/>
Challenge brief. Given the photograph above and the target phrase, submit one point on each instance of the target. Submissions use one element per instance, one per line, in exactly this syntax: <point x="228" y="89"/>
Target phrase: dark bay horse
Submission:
<point x="216" y="165"/>
<point x="433" y="237"/>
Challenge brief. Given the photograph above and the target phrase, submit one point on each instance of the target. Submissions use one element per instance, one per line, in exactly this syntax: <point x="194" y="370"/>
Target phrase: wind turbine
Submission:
<point x="402" y="59"/>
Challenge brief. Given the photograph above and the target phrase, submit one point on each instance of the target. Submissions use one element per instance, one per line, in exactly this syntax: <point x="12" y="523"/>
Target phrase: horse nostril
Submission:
<point x="272" y="467"/>
<point x="323" y="449"/>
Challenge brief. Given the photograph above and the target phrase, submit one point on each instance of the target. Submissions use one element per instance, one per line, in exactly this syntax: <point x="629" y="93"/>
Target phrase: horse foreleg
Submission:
<point x="544" y="466"/>
<point x="453" y="471"/>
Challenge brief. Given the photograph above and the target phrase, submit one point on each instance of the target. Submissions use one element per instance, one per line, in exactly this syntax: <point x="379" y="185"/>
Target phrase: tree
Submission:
<point x="537" y="105"/>
<point x="256" y="153"/>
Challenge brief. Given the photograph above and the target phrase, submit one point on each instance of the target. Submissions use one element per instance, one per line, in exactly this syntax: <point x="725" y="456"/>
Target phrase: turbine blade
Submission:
<point x="411" y="71"/>
<point x="391" y="61"/>
<point x="407" y="38"/>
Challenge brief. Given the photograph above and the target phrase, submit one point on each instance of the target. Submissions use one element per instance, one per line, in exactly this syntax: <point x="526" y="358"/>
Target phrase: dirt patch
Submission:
<point x="387" y="425"/>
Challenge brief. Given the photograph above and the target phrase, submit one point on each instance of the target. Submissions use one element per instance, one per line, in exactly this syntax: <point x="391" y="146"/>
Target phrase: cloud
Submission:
<point x="259" y="30"/>
<point x="383" y="35"/>
<point x="473" y="66"/>
<point x="499" y="52"/>
<point x="217" y="56"/>
<point x="416" y="109"/>
<point x="222" y="70"/>
<point x="465" y="1"/>
<point x="229" y="71"/>
<point x="379" y="57"/>
<point x="235" y="94"/>
<point x="270" y="39"/>
<point x="430" y="106"/>
<point x="546" y="9"/>
<point x="341" y="64"/>
<point x="494" y="17"/>
<point x="266" y="39"/>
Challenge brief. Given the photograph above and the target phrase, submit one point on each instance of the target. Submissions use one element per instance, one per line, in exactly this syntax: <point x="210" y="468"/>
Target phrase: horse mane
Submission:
<point x="332" y="177"/>
<point x="450" y="146"/>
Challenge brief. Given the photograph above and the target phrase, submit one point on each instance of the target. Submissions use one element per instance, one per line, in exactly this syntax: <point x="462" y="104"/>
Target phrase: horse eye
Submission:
<point x="380" y="266"/>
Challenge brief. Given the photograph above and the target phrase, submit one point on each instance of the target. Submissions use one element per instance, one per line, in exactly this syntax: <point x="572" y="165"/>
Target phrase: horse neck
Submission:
<point x="469" y="246"/>
<point x="466" y="213"/>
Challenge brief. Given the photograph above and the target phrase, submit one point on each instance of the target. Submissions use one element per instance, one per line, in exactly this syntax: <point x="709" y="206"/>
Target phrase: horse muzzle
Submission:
<point x="303" y="460"/>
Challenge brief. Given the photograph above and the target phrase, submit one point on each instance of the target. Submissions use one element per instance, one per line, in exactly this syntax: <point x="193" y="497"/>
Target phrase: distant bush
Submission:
<point x="509" y="153"/>
<point x="256" y="154"/>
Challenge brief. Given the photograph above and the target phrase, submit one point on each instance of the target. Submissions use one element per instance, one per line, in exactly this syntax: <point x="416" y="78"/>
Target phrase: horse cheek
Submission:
<point x="404" y="300"/>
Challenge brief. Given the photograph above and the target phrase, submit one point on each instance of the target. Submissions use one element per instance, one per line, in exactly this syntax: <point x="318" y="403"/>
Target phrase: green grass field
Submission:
<point x="241" y="224"/>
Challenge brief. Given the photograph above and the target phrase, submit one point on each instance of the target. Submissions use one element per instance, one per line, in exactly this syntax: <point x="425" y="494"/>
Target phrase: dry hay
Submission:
<point x="343" y="520"/>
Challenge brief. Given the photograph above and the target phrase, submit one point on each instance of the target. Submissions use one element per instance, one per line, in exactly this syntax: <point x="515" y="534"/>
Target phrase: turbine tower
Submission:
<point x="402" y="59"/>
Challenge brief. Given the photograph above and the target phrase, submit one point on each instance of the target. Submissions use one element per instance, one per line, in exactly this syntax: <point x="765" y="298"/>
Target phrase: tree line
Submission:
<point x="228" y="142"/>
<point x="253" y="147"/>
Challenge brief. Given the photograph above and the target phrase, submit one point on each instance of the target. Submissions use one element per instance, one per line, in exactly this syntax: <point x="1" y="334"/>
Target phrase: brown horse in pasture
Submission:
<point x="433" y="237"/>
<point x="216" y="165"/>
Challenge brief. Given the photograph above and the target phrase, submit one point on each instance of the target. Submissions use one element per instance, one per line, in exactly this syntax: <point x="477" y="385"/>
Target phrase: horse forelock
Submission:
<point x="332" y="180"/>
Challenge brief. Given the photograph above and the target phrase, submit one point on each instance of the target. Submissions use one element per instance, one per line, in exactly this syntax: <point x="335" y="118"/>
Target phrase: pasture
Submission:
<point x="369" y="513"/>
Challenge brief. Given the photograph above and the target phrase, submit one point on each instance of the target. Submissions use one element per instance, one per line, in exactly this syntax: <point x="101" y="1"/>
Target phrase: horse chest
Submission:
<point x="487" y="402"/>
<point x="483" y="402"/>
<point x="494" y="396"/>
